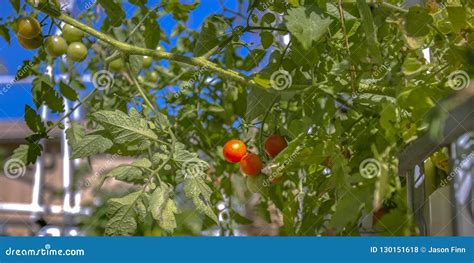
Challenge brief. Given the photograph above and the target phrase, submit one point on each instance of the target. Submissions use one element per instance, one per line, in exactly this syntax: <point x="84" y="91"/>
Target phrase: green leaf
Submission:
<point x="163" y="208"/>
<point x="5" y="33"/>
<point x="458" y="17"/>
<point x="258" y="102"/>
<point x="27" y="153"/>
<point x="125" y="128"/>
<point x="123" y="214"/>
<point x="266" y="38"/>
<point x="115" y="13"/>
<point x="33" y="120"/>
<point x="131" y="173"/>
<point x="67" y="91"/>
<point x="370" y="31"/>
<point x="16" y="5"/>
<point x="200" y="193"/>
<point x="43" y="92"/>
<point x="91" y="145"/>
<point x="307" y="24"/>
<point x="152" y="32"/>
<point x="417" y="21"/>
<point x="412" y="65"/>
<point x="75" y="134"/>
<point x="207" y="39"/>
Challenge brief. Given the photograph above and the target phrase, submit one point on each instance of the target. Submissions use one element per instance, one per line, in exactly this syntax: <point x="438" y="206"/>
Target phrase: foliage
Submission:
<point x="357" y="87"/>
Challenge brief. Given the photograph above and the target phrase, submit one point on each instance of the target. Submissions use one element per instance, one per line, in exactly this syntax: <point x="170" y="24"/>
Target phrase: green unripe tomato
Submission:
<point x="55" y="46"/>
<point x="77" y="52"/>
<point x="147" y="61"/>
<point x="72" y="34"/>
<point x="117" y="65"/>
<point x="30" y="43"/>
<point x="151" y="76"/>
<point x="28" y="28"/>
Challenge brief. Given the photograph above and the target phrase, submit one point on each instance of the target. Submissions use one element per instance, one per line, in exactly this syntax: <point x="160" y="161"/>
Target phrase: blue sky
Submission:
<point x="11" y="56"/>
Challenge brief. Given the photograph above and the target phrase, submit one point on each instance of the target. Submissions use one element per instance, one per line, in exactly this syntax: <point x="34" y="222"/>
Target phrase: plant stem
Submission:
<point x="71" y="111"/>
<point x="139" y="88"/>
<point x="157" y="54"/>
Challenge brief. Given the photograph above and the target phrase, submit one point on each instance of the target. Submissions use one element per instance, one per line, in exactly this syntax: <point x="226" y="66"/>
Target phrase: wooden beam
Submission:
<point x="460" y="119"/>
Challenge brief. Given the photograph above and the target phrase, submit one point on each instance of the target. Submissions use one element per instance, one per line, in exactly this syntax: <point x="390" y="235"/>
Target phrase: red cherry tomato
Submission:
<point x="251" y="164"/>
<point x="234" y="150"/>
<point x="274" y="145"/>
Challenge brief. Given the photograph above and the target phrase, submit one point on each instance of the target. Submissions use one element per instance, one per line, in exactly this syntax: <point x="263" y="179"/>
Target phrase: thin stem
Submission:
<point x="71" y="111"/>
<point x="158" y="54"/>
<point x="139" y="88"/>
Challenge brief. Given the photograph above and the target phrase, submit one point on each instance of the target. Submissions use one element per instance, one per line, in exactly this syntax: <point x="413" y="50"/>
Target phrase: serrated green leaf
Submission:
<point x="131" y="173"/>
<point x="67" y="91"/>
<point x="370" y="31"/>
<point x="91" y="145"/>
<point x="74" y="134"/>
<point x="417" y="21"/>
<point x="163" y="208"/>
<point x="27" y="153"/>
<point x="33" y="120"/>
<point x="43" y="92"/>
<point x="16" y="5"/>
<point x="307" y="24"/>
<point x="124" y="128"/>
<point x="200" y="193"/>
<point x="5" y="33"/>
<point x="115" y="13"/>
<point x="122" y="214"/>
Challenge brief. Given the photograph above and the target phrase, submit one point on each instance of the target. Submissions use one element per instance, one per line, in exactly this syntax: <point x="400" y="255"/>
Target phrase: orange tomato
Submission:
<point x="234" y="150"/>
<point x="251" y="164"/>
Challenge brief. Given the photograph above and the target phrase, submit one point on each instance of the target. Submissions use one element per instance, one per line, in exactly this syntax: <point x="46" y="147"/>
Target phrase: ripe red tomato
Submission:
<point x="274" y="145"/>
<point x="251" y="164"/>
<point x="234" y="150"/>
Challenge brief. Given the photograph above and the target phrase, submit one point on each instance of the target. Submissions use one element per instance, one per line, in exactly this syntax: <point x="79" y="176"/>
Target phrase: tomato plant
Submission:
<point x="345" y="83"/>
